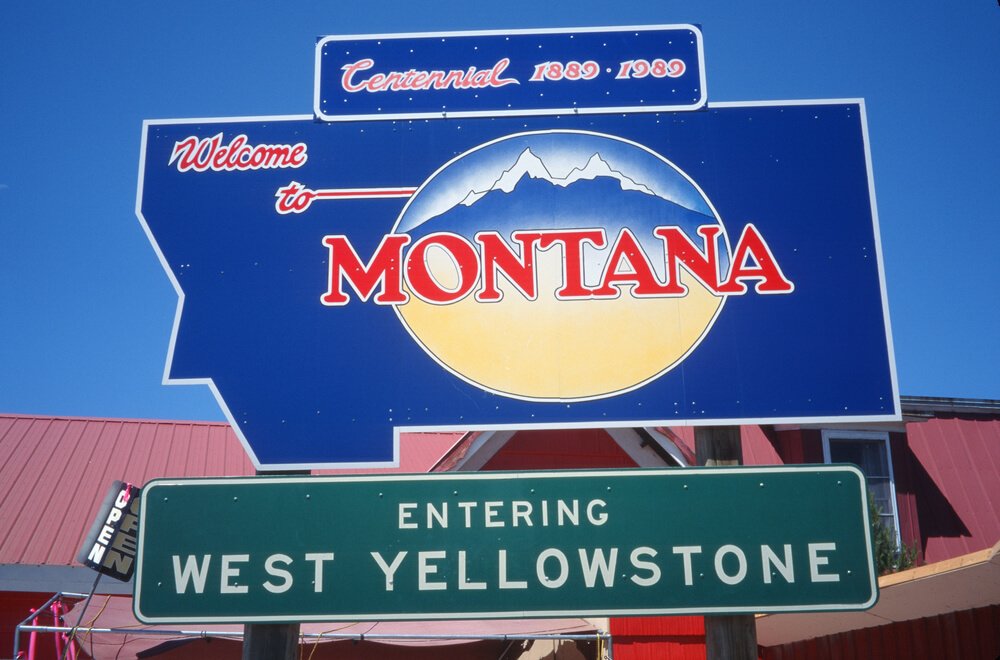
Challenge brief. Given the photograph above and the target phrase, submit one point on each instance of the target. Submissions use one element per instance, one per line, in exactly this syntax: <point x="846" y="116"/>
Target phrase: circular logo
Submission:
<point x="545" y="246"/>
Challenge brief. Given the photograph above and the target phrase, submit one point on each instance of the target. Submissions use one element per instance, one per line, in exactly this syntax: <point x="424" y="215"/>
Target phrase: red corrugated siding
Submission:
<point x="54" y="472"/>
<point x="957" y="482"/>
<point x="656" y="638"/>
<point x="904" y="468"/>
<point x="968" y="635"/>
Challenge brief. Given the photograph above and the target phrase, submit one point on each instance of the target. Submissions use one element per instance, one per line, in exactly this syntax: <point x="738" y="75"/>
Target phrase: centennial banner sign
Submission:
<point x="341" y="282"/>
<point x="521" y="72"/>
<point x="486" y="545"/>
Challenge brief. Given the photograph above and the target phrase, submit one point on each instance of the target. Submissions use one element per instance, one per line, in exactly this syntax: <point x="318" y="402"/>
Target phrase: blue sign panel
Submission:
<point x="528" y="72"/>
<point x="341" y="282"/>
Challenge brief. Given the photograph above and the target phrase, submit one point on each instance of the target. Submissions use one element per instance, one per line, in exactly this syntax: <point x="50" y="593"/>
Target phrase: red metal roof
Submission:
<point x="54" y="472"/>
<point x="960" y="455"/>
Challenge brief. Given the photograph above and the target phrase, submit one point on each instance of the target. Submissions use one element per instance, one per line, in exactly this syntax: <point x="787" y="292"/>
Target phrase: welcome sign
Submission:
<point x="340" y="282"/>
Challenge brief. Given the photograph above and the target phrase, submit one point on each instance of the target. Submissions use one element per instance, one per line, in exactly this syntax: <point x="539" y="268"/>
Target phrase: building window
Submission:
<point x="869" y="450"/>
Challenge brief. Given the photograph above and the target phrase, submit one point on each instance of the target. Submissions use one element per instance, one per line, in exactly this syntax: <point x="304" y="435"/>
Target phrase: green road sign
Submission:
<point x="486" y="545"/>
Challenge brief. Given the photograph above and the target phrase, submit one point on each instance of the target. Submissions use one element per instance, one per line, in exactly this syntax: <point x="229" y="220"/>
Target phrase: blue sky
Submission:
<point x="86" y="310"/>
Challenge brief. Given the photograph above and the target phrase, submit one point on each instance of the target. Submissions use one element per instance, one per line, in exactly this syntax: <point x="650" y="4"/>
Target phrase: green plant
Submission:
<point x="889" y="557"/>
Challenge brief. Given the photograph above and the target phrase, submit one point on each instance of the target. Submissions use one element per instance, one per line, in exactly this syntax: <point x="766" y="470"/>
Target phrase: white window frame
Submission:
<point x="835" y="434"/>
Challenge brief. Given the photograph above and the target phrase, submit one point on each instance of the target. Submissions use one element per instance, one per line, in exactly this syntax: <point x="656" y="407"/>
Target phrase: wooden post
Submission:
<point x="726" y="637"/>
<point x="272" y="641"/>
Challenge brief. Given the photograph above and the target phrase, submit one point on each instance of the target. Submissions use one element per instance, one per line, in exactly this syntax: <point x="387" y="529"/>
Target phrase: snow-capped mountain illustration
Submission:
<point x="531" y="166"/>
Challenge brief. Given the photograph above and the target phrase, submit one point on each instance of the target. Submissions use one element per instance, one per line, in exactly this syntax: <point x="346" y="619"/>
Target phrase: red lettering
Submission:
<point x="298" y="156"/>
<point x="203" y="159"/>
<point x="769" y="277"/>
<point x="184" y="150"/>
<point x="382" y="269"/>
<point x="350" y="70"/>
<point x="236" y="147"/>
<point x="627" y="265"/>
<point x="572" y="241"/>
<point x="396" y="81"/>
<point x="211" y="154"/>
<point x="498" y="69"/>
<point x="422" y="282"/>
<point x="219" y="158"/>
<point x="498" y="257"/>
<point x="639" y="271"/>
<point x="418" y="80"/>
<point x="682" y="252"/>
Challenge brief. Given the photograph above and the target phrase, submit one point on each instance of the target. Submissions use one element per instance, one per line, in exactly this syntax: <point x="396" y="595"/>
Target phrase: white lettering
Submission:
<point x="490" y="509"/>
<point x="504" y="582"/>
<point x="571" y="514"/>
<point x="318" y="558"/>
<point x="425" y="569"/>
<point x="600" y="518"/>
<point x="770" y="560"/>
<point x="815" y="561"/>
<point x="191" y="570"/>
<point x="286" y="577"/>
<point x="522" y="511"/>
<point x="122" y="500"/>
<point x="441" y="516"/>
<point x="741" y="560"/>
<point x="463" y="580"/>
<point x="686" y="551"/>
<point x="559" y="580"/>
<point x="654" y="570"/>
<point x="96" y="553"/>
<point x="389" y="569"/>
<point x="467" y="507"/>
<point x="229" y="572"/>
<point x="598" y="562"/>
<point x="105" y="536"/>
<point x="405" y="513"/>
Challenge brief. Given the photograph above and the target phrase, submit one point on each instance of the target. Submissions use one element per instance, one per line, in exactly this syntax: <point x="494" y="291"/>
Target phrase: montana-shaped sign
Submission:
<point x="341" y="282"/>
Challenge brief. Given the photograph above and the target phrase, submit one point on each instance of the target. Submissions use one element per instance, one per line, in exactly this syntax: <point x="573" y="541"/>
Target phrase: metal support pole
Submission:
<point x="726" y="637"/>
<point x="79" y="621"/>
